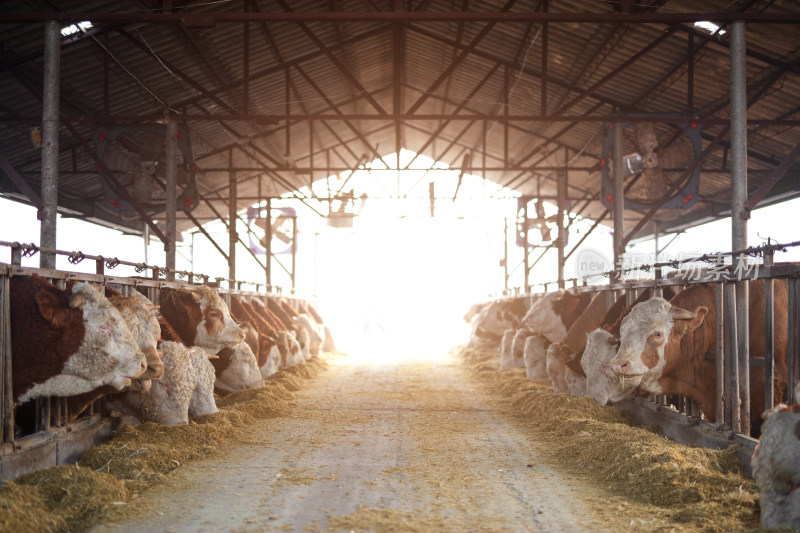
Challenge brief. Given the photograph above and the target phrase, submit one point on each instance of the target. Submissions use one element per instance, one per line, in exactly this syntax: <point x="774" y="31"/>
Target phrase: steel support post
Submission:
<point x="171" y="196"/>
<point x="268" y="243"/>
<point x="50" y="125"/>
<point x="526" y="277"/>
<point x="232" y="234"/>
<point x="619" y="202"/>
<point x="294" y="253"/>
<point x="562" y="231"/>
<point x="732" y="397"/>
<point x="769" y="336"/>
<point x="739" y="214"/>
<point x="719" y="301"/>
<point x="793" y="352"/>
<point x="505" y="253"/>
<point x="6" y="383"/>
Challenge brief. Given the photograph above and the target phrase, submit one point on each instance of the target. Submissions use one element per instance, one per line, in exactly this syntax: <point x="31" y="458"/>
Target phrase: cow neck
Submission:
<point x="39" y="350"/>
<point x="687" y="371"/>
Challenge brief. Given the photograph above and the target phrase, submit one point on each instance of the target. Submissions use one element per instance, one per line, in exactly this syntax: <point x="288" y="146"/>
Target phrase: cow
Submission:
<point x="185" y="389"/>
<point x="776" y="466"/>
<point x="599" y="383"/>
<point x="565" y="360"/>
<point x="506" y="343"/>
<point x="663" y="345"/>
<point x="316" y="332"/>
<point x="141" y="318"/>
<point x="555" y="312"/>
<point x="67" y="343"/>
<point x="535" y="363"/>
<point x="201" y="318"/>
<point x="495" y="318"/>
<point x="236" y="369"/>
<point x="515" y="356"/>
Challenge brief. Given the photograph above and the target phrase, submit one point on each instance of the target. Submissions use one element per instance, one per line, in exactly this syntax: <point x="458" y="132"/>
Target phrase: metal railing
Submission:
<point x="52" y="416"/>
<point x="730" y="372"/>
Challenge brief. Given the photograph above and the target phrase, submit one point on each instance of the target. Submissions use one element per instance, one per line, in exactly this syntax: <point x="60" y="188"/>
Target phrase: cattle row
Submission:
<point x="589" y="345"/>
<point x="158" y="363"/>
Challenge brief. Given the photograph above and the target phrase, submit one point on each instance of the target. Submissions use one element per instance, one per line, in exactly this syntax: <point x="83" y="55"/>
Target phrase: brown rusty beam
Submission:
<point x="21" y="184"/>
<point x="772" y="179"/>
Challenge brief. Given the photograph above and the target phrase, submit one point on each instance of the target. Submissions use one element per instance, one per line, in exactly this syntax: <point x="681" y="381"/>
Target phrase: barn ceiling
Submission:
<point x="281" y="93"/>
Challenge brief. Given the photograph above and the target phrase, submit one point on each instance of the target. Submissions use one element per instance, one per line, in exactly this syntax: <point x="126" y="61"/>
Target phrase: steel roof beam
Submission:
<point x="457" y="61"/>
<point x="190" y="19"/>
<point x="338" y="64"/>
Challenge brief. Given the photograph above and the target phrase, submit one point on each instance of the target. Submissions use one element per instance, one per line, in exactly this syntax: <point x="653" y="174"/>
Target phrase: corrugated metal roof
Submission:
<point x="349" y="68"/>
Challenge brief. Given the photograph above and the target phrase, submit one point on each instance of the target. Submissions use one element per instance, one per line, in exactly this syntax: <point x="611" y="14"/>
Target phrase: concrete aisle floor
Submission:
<point x="373" y="446"/>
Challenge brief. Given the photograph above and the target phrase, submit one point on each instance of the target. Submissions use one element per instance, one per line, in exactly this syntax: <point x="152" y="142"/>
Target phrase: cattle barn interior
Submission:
<point x="265" y="177"/>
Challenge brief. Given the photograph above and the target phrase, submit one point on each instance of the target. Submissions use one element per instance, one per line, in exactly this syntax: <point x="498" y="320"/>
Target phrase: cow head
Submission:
<point x="216" y="329"/>
<point x="237" y="369"/>
<point x="141" y="317"/>
<point x="543" y="318"/>
<point x="167" y="402"/>
<point x="649" y="336"/>
<point x="601" y="384"/>
<point x="202" y="401"/>
<point x="108" y="355"/>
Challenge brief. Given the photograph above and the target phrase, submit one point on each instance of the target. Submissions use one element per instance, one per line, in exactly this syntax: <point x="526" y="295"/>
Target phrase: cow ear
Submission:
<point x="676" y="313"/>
<point x="212" y="356"/>
<point x="77" y="301"/>
<point x="700" y="315"/>
<point x="50" y="309"/>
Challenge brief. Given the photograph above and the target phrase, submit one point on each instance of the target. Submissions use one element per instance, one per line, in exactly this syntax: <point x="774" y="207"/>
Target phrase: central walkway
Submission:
<point x="372" y="446"/>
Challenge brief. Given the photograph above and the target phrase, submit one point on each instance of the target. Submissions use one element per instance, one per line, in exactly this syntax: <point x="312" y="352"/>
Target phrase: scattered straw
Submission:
<point x="702" y="488"/>
<point x="72" y="498"/>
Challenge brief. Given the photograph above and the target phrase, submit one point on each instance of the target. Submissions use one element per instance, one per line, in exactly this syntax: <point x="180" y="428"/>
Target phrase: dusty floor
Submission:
<point x="386" y="446"/>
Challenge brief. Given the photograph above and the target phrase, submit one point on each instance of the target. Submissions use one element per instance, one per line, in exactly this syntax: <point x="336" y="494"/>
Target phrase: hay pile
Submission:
<point x="73" y="498"/>
<point x="699" y="487"/>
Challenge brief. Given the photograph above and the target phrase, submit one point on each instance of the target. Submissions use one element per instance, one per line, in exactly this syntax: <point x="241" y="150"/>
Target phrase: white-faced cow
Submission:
<point x="201" y="318"/>
<point x="663" y="346"/>
<point x="66" y="343"/>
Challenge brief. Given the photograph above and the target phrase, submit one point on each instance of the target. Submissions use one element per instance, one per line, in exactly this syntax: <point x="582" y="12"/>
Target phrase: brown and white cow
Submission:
<point x="236" y="369"/>
<point x="185" y="389"/>
<point x="201" y="318"/>
<point x="495" y="318"/>
<point x="663" y="345"/>
<point x="66" y="343"/>
<point x="776" y="466"/>
<point x="141" y="318"/>
<point x="535" y="361"/>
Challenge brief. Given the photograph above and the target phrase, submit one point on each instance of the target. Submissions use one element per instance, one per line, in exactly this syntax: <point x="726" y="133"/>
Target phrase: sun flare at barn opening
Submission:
<point x="399" y="266"/>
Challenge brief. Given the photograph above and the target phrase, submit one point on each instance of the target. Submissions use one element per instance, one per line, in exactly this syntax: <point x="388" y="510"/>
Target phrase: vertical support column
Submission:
<point x="793" y="352"/>
<point x="732" y="398"/>
<point x="619" y="202"/>
<point x="739" y="213"/>
<point x="6" y="383"/>
<point x="232" y="234"/>
<point x="268" y="243"/>
<point x="562" y="208"/>
<point x="769" y="335"/>
<point x="719" y="302"/>
<point x="525" y="246"/>
<point x="505" y="254"/>
<point x="171" y="196"/>
<point x="545" y="44"/>
<point x="294" y="251"/>
<point x="50" y="123"/>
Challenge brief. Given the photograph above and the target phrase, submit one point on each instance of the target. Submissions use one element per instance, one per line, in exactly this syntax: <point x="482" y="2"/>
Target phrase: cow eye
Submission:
<point x="658" y="335"/>
<point x="105" y="328"/>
